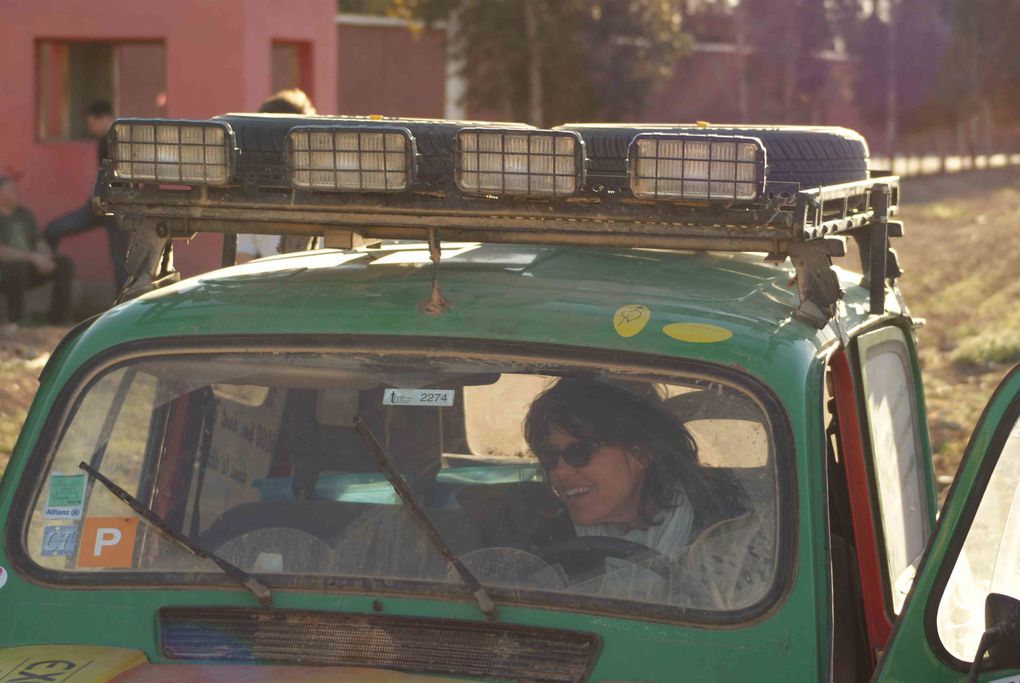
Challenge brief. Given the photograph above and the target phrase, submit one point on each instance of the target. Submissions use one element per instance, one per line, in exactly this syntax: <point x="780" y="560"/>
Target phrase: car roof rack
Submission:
<point x="352" y="180"/>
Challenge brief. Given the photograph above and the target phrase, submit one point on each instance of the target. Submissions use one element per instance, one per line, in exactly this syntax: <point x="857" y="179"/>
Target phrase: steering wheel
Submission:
<point x="609" y="546"/>
<point x="276" y="550"/>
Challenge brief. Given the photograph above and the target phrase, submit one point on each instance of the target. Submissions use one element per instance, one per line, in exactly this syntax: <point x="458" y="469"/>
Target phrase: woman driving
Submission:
<point x="627" y="469"/>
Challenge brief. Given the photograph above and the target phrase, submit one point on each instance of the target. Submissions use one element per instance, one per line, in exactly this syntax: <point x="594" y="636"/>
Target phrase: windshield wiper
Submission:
<point x="258" y="589"/>
<point x="485" y="603"/>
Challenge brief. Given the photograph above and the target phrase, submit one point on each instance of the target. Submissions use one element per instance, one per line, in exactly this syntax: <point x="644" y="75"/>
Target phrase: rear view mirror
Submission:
<point x="1002" y="615"/>
<point x="1001" y="639"/>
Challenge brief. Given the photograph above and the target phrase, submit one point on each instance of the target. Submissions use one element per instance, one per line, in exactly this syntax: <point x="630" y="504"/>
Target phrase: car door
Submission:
<point x="882" y="484"/>
<point x="974" y="553"/>
<point x="901" y="484"/>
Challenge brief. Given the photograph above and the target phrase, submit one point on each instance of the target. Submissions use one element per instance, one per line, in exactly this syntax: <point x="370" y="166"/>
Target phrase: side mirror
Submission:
<point x="1002" y="614"/>
<point x="1001" y="639"/>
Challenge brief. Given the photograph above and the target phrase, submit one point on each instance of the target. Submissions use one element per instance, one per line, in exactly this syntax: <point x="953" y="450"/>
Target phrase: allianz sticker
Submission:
<point x="418" y="397"/>
<point x="59" y="541"/>
<point x="65" y="496"/>
<point x="3" y="577"/>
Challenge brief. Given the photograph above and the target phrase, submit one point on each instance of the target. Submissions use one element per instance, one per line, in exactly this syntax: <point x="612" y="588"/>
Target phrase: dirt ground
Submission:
<point x="23" y="353"/>
<point x="959" y="255"/>
<point x="960" y="258"/>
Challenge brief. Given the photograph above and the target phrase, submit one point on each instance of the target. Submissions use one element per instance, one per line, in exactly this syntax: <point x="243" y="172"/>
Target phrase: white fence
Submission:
<point x="926" y="164"/>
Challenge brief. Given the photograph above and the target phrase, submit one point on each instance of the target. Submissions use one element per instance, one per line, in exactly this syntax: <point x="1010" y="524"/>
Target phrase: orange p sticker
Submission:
<point x="107" y="542"/>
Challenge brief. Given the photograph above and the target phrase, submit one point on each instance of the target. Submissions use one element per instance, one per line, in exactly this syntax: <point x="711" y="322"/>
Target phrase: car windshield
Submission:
<point x="552" y="480"/>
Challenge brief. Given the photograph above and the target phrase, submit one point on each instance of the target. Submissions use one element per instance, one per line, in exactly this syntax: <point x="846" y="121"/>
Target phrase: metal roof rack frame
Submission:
<point x="807" y="225"/>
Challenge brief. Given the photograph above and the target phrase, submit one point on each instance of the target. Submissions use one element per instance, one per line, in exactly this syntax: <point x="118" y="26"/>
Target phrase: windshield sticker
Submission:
<point x="697" y="333"/>
<point x="59" y="541"/>
<point x="107" y="542"/>
<point x="65" y="497"/>
<point x="631" y="319"/>
<point x="418" y="397"/>
<point x="3" y="577"/>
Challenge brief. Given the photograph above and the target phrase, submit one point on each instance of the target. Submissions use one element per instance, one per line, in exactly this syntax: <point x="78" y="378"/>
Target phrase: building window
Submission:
<point x="72" y="74"/>
<point x="290" y="66"/>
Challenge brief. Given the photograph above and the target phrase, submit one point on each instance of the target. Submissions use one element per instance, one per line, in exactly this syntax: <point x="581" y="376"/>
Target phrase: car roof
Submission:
<point x="561" y="295"/>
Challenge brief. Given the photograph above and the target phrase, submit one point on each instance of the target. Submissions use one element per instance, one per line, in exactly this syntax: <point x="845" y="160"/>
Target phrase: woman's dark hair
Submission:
<point x="594" y="410"/>
<point x="289" y="101"/>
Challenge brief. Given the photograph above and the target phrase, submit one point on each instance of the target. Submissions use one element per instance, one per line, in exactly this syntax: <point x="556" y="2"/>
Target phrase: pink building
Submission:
<point x="200" y="58"/>
<point x="186" y="58"/>
<point x="390" y="67"/>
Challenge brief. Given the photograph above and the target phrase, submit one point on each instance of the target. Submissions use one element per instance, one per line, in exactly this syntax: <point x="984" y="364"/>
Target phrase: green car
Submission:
<point x="581" y="404"/>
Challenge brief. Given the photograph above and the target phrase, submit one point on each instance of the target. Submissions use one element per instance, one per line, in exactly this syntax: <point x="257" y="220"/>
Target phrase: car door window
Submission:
<point x="900" y="479"/>
<point x="990" y="559"/>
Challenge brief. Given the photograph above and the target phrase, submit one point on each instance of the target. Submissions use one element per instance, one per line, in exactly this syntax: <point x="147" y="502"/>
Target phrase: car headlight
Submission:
<point x="698" y="167"/>
<point x="173" y="152"/>
<point x="351" y="159"/>
<point x="525" y="162"/>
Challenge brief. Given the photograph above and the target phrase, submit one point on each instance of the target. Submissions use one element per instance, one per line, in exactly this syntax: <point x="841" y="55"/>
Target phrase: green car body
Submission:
<point x="568" y="300"/>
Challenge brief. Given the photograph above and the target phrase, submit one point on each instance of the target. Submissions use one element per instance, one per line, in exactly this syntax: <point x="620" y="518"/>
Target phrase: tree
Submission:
<point x="785" y="38"/>
<point x="552" y="61"/>
<point x="900" y="49"/>
<point x="980" y="78"/>
<point x="939" y="63"/>
<point x="783" y="46"/>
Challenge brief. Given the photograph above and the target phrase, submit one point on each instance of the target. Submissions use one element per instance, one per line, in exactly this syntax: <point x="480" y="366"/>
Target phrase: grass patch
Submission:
<point x="945" y="212"/>
<point x="992" y="346"/>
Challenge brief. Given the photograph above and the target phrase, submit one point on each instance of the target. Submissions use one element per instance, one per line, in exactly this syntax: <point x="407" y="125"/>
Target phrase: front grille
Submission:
<point x="459" y="648"/>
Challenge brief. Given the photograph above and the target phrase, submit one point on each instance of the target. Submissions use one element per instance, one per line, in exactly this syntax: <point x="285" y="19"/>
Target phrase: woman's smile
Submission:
<point x="607" y="490"/>
<point x="577" y="491"/>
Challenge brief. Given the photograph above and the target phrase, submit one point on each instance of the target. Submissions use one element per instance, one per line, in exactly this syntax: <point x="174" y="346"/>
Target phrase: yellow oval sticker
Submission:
<point x="631" y="319"/>
<point x="698" y="333"/>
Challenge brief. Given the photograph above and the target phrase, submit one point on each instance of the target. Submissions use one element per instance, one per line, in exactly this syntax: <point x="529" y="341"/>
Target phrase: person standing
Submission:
<point x="289" y="101"/>
<point x="98" y="119"/>
<point x="26" y="261"/>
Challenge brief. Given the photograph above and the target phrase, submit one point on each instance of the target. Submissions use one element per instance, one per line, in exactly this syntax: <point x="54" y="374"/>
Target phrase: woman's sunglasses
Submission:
<point x="577" y="454"/>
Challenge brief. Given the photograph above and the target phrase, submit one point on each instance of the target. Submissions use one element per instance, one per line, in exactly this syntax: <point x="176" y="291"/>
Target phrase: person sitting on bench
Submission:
<point x="26" y="260"/>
